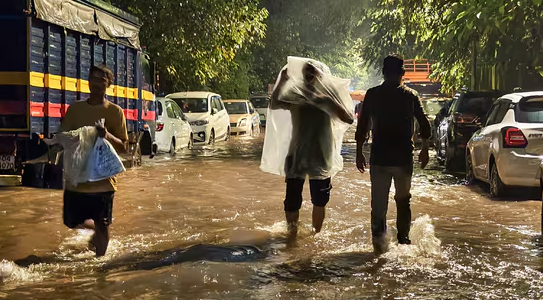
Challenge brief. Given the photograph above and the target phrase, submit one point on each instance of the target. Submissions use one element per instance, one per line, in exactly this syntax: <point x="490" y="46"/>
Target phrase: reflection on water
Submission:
<point x="465" y="246"/>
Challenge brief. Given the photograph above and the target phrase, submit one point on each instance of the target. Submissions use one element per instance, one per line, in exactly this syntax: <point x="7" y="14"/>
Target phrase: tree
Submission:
<point x="323" y="30"/>
<point x="196" y="40"/>
<point x="457" y="33"/>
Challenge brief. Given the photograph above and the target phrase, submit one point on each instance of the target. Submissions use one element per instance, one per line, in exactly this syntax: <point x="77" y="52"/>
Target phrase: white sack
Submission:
<point x="78" y="145"/>
<point x="335" y="100"/>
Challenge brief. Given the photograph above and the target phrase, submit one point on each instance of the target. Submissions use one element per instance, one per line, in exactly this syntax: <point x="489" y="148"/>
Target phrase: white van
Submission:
<point x="206" y="114"/>
<point x="261" y="102"/>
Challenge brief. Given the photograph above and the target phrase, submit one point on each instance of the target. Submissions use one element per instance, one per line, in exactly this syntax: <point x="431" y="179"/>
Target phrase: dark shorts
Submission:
<point x="320" y="193"/>
<point x="79" y="207"/>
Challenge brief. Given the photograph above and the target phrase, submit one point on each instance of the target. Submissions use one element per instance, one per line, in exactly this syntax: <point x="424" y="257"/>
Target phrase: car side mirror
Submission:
<point x="214" y="111"/>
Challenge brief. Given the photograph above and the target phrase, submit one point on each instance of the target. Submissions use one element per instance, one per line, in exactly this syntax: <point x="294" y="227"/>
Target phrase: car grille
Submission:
<point x="233" y="124"/>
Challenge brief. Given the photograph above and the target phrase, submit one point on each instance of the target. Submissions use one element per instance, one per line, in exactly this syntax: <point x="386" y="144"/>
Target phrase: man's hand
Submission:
<point x="423" y="158"/>
<point x="102" y="131"/>
<point x="284" y="75"/>
<point x="361" y="163"/>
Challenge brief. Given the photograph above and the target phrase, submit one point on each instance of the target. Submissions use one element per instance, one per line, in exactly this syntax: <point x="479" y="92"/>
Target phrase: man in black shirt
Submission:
<point x="391" y="108"/>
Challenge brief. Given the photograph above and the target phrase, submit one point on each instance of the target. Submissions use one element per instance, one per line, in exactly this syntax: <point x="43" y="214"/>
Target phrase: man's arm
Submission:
<point x="274" y="101"/>
<point x="425" y="129"/>
<point x="118" y="135"/>
<point x="362" y="127"/>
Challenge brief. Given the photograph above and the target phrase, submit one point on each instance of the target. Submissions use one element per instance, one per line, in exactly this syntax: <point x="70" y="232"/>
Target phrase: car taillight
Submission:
<point x="514" y="138"/>
<point x="159" y="126"/>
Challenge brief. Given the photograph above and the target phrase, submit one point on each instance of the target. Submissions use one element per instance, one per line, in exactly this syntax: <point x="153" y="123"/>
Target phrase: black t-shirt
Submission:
<point x="391" y="109"/>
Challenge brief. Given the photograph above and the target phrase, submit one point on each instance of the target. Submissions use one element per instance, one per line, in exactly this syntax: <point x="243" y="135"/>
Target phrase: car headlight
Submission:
<point x="243" y="122"/>
<point x="199" y="122"/>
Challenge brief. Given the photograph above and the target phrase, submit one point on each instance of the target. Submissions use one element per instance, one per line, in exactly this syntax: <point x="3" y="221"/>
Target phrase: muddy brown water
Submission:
<point x="465" y="245"/>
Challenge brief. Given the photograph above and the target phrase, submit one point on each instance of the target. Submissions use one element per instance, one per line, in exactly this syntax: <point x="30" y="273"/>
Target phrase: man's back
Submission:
<point x="392" y="109"/>
<point x="311" y="148"/>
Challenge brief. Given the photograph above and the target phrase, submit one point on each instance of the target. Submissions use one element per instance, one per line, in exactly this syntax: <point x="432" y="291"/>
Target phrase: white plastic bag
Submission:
<point x="104" y="161"/>
<point x="313" y="143"/>
<point x="78" y="145"/>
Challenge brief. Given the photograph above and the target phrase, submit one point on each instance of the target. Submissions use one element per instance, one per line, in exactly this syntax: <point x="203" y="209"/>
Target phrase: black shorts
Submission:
<point x="79" y="207"/>
<point x="320" y="192"/>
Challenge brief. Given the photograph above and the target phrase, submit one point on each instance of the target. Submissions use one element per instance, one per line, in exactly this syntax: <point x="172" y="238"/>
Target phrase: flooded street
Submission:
<point x="465" y="245"/>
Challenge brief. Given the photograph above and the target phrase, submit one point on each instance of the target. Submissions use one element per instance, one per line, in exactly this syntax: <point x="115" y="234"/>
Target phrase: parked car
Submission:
<point x="508" y="150"/>
<point x="465" y="117"/>
<point x="173" y="131"/>
<point x="261" y="102"/>
<point x="206" y="114"/>
<point x="431" y="108"/>
<point x="244" y="119"/>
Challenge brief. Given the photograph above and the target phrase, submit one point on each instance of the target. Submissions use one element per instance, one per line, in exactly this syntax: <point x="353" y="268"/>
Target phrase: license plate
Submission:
<point x="7" y="162"/>
<point x="262" y="117"/>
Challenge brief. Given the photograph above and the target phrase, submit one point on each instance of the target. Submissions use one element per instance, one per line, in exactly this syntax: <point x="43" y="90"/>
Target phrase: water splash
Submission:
<point x="424" y="251"/>
<point x="10" y="272"/>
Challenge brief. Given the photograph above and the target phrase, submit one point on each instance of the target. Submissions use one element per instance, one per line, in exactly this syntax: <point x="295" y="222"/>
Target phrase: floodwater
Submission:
<point x="465" y="245"/>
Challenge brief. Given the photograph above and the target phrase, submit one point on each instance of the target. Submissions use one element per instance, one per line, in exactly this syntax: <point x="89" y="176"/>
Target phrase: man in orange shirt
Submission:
<point x="89" y="204"/>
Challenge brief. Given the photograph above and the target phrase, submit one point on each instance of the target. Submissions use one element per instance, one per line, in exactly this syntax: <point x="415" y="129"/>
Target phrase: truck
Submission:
<point x="44" y="68"/>
<point x="417" y="77"/>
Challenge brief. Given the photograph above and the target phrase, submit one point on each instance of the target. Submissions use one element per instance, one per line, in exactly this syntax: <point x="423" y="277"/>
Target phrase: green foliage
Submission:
<point x="196" y="40"/>
<point x="507" y="32"/>
<point x="320" y="29"/>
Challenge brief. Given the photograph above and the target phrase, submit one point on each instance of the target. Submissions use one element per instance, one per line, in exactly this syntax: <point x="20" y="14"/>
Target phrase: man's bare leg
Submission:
<point x="318" y="218"/>
<point x="292" y="226"/>
<point x="101" y="239"/>
<point x="292" y="220"/>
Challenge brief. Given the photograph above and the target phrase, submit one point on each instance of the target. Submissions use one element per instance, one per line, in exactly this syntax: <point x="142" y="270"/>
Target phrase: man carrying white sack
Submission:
<point x="89" y="204"/>
<point x="319" y="111"/>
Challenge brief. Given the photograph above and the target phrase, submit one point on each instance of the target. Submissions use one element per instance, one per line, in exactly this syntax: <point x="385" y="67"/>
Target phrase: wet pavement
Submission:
<point x="465" y="245"/>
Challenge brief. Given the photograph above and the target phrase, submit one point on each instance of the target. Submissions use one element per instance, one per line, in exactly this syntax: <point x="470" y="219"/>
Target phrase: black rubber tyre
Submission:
<point x="470" y="176"/>
<point x="497" y="187"/>
<point x="212" y="137"/>
<point x="191" y="142"/>
<point x="172" y="147"/>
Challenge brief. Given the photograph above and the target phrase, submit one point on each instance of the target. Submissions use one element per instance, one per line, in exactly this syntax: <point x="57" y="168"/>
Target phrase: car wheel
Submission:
<point x="212" y="137"/>
<point x="191" y="142"/>
<point x="172" y="147"/>
<point x="227" y="134"/>
<point x="497" y="187"/>
<point x="470" y="175"/>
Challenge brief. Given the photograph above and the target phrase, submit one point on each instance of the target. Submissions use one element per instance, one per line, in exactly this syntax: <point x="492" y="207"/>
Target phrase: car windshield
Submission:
<point x="432" y="107"/>
<point x="477" y="105"/>
<point x="192" y="105"/>
<point x="236" y="108"/>
<point x="260" y="102"/>
<point x="530" y="110"/>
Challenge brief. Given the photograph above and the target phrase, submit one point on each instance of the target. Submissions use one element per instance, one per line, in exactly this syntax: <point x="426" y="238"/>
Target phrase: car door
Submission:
<point x="479" y="144"/>
<point x="489" y="133"/>
<point x="183" y="134"/>
<point x="223" y="118"/>
<point x="173" y="123"/>
<point x="215" y="109"/>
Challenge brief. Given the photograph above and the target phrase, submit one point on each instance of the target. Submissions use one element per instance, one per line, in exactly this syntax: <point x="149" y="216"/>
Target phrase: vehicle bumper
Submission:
<point x="240" y="130"/>
<point x="518" y="169"/>
<point x="10" y="180"/>
<point x="200" y="134"/>
<point x="262" y="120"/>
